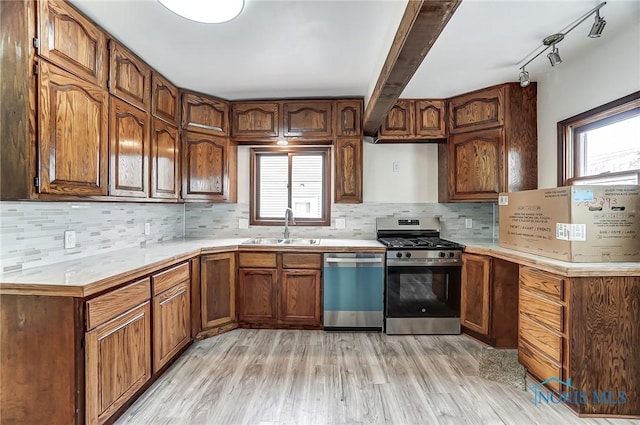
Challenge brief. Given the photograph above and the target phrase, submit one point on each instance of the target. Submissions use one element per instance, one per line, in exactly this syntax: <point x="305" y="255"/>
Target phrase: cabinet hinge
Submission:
<point x="36" y="182"/>
<point x="82" y="342"/>
<point x="35" y="68"/>
<point x="108" y="84"/>
<point x="36" y="43"/>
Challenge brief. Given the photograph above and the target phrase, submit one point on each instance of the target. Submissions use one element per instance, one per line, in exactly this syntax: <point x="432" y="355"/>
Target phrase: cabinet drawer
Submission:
<point x="538" y="364"/>
<point x="108" y="306"/>
<point x="301" y="261"/>
<point x="542" y="311"/>
<point x="257" y="259"/>
<point x="539" y="281"/>
<point x="541" y="338"/>
<point x="167" y="279"/>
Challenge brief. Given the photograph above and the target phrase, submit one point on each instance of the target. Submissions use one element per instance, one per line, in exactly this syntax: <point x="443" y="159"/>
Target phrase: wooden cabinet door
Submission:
<point x="300" y="301"/>
<point x="205" y="114"/>
<point x="69" y="40"/>
<point x="475" y="293"/>
<point x="129" y="150"/>
<point x="349" y="118"/>
<point x="477" y="111"/>
<point x="118" y="362"/>
<point x="311" y="119"/>
<point x="165" y="99"/>
<point x="208" y="168"/>
<point x="72" y="134"/>
<point x="255" y="119"/>
<point x="348" y="170"/>
<point x="430" y="122"/>
<point x="165" y="160"/>
<point x="129" y="77"/>
<point x="257" y="296"/>
<point x="476" y="165"/>
<point x="399" y="120"/>
<point x="171" y="323"/>
<point x="217" y="286"/>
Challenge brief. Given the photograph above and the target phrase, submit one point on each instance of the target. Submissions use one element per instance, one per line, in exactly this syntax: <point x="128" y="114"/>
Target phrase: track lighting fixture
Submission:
<point x="552" y="41"/>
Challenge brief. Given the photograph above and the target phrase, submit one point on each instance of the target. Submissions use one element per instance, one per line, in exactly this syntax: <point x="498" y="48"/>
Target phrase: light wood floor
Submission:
<point x="315" y="377"/>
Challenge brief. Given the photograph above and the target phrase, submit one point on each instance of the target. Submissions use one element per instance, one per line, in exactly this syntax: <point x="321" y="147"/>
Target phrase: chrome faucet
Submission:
<point x="288" y="213"/>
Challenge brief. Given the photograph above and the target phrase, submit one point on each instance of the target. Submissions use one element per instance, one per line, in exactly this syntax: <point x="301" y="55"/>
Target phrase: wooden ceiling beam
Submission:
<point x="421" y="24"/>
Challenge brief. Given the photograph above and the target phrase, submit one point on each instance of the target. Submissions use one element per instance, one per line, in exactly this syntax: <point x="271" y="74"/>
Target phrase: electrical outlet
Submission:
<point x="243" y="223"/>
<point x="396" y="166"/>
<point x="468" y="223"/>
<point x="69" y="239"/>
<point x="341" y="223"/>
<point x="147" y="229"/>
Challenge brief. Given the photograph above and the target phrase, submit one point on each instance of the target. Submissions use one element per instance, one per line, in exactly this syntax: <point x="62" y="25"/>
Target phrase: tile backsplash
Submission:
<point x="221" y="220"/>
<point x="32" y="233"/>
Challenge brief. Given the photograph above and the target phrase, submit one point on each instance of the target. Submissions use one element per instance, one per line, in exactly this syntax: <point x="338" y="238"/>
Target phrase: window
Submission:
<point x="601" y="146"/>
<point x="296" y="178"/>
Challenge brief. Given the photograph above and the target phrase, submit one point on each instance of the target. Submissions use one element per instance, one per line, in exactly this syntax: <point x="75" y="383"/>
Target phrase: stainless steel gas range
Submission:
<point x="422" y="293"/>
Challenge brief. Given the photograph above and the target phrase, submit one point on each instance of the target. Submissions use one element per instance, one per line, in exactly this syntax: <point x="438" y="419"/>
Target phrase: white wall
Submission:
<point x="607" y="70"/>
<point x="416" y="180"/>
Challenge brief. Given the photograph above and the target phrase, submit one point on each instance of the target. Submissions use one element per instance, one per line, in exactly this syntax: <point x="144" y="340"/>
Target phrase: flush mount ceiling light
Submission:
<point x="554" y="39"/>
<point x="205" y="11"/>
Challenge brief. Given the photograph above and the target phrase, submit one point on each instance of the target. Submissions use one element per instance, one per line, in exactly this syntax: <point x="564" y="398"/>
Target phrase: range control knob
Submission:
<point x="399" y="254"/>
<point x="441" y="254"/>
<point x="452" y="254"/>
<point x="408" y="254"/>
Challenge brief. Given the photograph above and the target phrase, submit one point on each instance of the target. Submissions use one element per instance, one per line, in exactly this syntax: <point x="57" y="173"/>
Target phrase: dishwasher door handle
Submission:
<point x="353" y="260"/>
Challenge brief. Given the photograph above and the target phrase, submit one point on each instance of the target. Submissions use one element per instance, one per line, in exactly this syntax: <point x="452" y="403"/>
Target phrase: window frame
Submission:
<point x="290" y="151"/>
<point x="568" y="145"/>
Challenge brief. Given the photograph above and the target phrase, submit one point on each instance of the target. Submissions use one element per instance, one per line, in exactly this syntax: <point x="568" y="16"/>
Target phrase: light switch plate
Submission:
<point x="147" y="229"/>
<point x="341" y="223"/>
<point x="69" y="239"/>
<point x="243" y="223"/>
<point x="468" y="223"/>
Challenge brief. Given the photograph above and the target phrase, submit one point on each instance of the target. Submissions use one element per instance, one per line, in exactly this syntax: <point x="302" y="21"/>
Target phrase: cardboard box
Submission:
<point x="573" y="223"/>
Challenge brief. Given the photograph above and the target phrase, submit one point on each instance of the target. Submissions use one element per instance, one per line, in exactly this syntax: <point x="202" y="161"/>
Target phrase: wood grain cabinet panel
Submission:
<point x="257" y="296"/>
<point x="300" y="296"/>
<point x="107" y="306"/>
<point x="430" y="118"/>
<point x="475" y="293"/>
<point x="477" y="111"/>
<point x="399" y="121"/>
<point x="208" y="168"/>
<point x="68" y="39"/>
<point x="165" y="160"/>
<point x="218" y="285"/>
<point x="311" y="119"/>
<point x="171" y="323"/>
<point x="205" y="114"/>
<point x="348" y="170"/>
<point x="255" y="119"/>
<point x="129" y="150"/>
<point x="129" y="77"/>
<point x="72" y="134"/>
<point x="165" y="99"/>
<point x="349" y="118"/>
<point x="478" y="163"/>
<point x="118" y="362"/>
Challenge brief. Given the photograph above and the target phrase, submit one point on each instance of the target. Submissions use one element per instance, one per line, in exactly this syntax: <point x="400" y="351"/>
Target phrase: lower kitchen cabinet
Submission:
<point x="489" y="300"/>
<point x="218" y="295"/>
<point x="279" y="289"/>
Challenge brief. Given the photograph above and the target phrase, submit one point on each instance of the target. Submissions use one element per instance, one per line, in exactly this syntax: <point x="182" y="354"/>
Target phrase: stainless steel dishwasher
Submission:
<point x="353" y="291"/>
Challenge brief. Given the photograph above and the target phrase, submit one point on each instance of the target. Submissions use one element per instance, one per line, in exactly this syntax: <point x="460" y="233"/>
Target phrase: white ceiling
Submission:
<point x="307" y="48"/>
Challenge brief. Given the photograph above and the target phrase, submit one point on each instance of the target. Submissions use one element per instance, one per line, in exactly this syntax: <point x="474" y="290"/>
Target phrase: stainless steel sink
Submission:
<point x="279" y="241"/>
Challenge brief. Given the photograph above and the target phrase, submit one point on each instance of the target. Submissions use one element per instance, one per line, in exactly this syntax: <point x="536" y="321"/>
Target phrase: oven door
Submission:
<point x="423" y="291"/>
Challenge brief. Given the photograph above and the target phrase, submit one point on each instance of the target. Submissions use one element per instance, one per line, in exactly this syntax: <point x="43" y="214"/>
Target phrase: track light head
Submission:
<point x="598" y="26"/>
<point x="524" y="78"/>
<point x="554" y="56"/>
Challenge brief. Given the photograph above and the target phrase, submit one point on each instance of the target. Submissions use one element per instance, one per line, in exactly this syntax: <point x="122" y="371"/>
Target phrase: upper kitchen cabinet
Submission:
<point x="205" y="114"/>
<point x="348" y="170"/>
<point x="69" y="40"/>
<point x="128" y="150"/>
<point x="129" y="77"/>
<point x="72" y="138"/>
<point x="165" y="99"/>
<point x="309" y="119"/>
<point x="493" y="144"/>
<point x="165" y="160"/>
<point x="208" y="168"/>
<point x="412" y="120"/>
<point x="349" y="118"/>
<point x="255" y="120"/>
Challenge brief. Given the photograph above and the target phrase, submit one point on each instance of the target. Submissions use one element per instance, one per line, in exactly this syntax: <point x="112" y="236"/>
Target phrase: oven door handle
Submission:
<point x="353" y="260"/>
